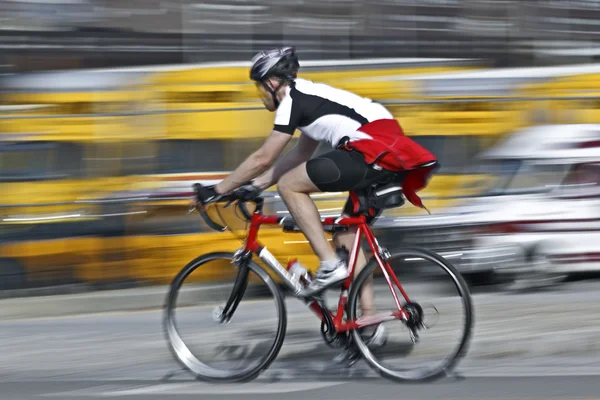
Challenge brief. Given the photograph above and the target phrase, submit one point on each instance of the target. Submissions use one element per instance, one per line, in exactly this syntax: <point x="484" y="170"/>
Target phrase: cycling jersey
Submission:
<point x="348" y="121"/>
<point x="325" y="113"/>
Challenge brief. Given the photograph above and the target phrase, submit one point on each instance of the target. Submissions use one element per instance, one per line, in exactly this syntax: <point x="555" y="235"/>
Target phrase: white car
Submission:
<point x="539" y="218"/>
<point x="544" y="219"/>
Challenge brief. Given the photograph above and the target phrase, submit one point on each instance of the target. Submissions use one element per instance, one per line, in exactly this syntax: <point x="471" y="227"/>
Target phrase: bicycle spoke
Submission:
<point x="437" y="331"/>
<point x="203" y="333"/>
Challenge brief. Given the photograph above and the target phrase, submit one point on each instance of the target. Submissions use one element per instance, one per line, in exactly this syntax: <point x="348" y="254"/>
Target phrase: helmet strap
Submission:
<point x="273" y="92"/>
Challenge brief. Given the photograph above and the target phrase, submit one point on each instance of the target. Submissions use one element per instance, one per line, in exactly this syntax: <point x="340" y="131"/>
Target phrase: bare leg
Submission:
<point x="367" y="303"/>
<point x="367" y="300"/>
<point x="294" y="188"/>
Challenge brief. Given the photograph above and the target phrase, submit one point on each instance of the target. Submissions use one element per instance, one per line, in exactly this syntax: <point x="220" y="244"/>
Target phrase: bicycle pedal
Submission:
<point x="348" y="356"/>
<point x="354" y="358"/>
<point x="319" y="297"/>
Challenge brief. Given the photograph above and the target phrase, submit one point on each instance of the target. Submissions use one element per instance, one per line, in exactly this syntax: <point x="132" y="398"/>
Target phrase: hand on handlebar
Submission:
<point x="247" y="192"/>
<point x="206" y="194"/>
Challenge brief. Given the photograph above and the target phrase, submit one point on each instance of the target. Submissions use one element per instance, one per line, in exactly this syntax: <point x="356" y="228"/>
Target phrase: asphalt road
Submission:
<point x="530" y="346"/>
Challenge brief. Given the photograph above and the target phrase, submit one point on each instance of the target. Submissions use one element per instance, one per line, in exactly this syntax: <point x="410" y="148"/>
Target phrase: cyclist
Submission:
<point x="368" y="146"/>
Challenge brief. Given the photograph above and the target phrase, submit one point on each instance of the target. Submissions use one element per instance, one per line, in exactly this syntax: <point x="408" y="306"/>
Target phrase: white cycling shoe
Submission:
<point x="378" y="338"/>
<point x="324" y="279"/>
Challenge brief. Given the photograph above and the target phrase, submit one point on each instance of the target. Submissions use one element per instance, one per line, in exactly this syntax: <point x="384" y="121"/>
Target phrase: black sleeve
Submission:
<point x="288" y="115"/>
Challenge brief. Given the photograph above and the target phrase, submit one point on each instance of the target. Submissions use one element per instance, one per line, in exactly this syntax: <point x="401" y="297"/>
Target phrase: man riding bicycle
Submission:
<point x="368" y="146"/>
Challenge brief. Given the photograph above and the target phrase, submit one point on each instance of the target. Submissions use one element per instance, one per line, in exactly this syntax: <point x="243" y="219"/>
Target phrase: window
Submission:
<point x="584" y="174"/>
<point x="582" y="180"/>
<point x="29" y="161"/>
<point x="537" y="177"/>
<point x="181" y="156"/>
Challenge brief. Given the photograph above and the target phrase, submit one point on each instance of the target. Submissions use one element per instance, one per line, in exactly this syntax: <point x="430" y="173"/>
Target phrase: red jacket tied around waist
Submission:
<point x="392" y="150"/>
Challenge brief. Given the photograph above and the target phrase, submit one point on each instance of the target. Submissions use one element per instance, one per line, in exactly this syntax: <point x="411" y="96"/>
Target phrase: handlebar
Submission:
<point x="229" y="199"/>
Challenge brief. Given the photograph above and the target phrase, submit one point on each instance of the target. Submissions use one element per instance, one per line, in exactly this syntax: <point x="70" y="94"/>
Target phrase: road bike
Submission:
<point x="342" y="326"/>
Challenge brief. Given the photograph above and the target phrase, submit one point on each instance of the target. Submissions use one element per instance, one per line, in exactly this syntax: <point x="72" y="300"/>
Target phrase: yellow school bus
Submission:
<point x="74" y="165"/>
<point x="61" y="145"/>
<point x="566" y="99"/>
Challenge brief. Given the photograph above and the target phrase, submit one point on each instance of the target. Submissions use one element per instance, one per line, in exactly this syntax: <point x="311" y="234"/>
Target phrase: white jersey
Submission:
<point x="324" y="113"/>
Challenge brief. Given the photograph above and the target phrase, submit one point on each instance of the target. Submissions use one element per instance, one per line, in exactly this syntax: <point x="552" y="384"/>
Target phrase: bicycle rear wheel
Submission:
<point x="233" y="351"/>
<point x="417" y="270"/>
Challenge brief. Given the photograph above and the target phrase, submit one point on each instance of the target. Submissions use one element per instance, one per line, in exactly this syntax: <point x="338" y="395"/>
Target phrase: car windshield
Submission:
<point x="518" y="177"/>
<point x="496" y="175"/>
<point x="582" y="180"/>
<point x="534" y="178"/>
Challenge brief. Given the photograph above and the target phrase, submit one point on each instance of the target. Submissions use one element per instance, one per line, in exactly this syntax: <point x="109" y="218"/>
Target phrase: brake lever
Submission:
<point x="194" y="208"/>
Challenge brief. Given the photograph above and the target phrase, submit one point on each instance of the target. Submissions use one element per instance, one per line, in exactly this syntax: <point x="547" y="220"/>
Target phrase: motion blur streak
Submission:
<point x="106" y="104"/>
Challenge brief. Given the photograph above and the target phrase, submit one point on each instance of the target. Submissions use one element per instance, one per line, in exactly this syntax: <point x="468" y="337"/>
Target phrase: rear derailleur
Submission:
<point x="414" y="323"/>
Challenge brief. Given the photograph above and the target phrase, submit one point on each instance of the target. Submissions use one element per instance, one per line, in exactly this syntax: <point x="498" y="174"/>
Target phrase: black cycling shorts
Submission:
<point x="342" y="170"/>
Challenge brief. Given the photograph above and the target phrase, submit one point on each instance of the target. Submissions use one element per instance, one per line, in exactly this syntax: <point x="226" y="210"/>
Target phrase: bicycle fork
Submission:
<point x="238" y="291"/>
<point x="241" y="259"/>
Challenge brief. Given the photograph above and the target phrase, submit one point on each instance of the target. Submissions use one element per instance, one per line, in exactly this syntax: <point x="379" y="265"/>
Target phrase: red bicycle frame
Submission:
<point x="360" y="221"/>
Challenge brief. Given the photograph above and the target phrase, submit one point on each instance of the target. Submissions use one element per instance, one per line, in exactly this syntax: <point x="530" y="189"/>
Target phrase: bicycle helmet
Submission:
<point x="281" y="63"/>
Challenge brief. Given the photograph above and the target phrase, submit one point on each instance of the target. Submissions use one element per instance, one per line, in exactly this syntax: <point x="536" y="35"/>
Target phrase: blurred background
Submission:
<point x="110" y="109"/>
<point x="104" y="102"/>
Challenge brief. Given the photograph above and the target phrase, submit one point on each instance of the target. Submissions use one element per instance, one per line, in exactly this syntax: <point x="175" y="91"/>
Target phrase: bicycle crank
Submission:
<point x="331" y="337"/>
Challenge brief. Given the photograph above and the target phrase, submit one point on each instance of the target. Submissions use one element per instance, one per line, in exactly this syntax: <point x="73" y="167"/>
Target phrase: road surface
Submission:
<point x="530" y="346"/>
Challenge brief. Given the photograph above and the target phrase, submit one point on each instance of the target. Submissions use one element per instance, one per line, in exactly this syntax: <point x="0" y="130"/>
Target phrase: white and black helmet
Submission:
<point x="281" y="63"/>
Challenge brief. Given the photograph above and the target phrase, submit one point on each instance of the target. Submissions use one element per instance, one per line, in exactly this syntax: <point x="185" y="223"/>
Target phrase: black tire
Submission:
<point x="181" y="352"/>
<point x="460" y="350"/>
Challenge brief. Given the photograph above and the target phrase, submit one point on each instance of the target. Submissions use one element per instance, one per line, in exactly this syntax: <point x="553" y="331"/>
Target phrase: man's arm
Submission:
<point x="302" y="152"/>
<point x="257" y="163"/>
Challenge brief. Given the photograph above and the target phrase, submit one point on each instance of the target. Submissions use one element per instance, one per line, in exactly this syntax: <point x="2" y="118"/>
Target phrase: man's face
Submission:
<point x="265" y="95"/>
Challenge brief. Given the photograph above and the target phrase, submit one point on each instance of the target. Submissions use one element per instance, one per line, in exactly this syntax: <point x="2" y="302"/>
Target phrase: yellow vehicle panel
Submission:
<point x="240" y="74"/>
<point x="81" y="99"/>
<point x="157" y="258"/>
<point x="144" y="259"/>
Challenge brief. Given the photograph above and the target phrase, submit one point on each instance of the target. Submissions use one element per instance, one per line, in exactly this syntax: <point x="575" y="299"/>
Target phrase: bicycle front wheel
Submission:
<point x="436" y="336"/>
<point x="220" y="350"/>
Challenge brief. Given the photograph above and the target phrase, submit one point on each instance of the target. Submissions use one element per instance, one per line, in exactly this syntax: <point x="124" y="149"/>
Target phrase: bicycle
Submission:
<point x="336" y="330"/>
